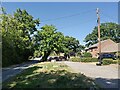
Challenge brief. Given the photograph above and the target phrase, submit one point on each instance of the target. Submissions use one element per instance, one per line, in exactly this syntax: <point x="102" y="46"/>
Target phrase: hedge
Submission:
<point x="110" y="61"/>
<point x="84" y="59"/>
<point x="89" y="59"/>
<point x="75" y="59"/>
<point x="87" y="54"/>
<point x="105" y="61"/>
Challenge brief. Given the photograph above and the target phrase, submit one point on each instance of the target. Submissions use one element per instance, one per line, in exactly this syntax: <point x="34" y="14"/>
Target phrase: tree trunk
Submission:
<point x="46" y="54"/>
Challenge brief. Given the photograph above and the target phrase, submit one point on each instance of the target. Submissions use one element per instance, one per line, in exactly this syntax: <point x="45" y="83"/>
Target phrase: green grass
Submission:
<point x="50" y="75"/>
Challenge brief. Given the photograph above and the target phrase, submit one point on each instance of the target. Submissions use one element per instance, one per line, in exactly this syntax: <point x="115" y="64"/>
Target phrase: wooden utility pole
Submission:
<point x="98" y="21"/>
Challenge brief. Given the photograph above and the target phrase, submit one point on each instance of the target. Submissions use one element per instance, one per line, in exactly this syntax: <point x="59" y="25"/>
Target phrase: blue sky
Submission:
<point x="79" y="17"/>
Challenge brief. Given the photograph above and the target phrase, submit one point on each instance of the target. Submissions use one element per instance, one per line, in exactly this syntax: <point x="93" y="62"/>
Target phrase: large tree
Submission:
<point x="48" y="40"/>
<point x="27" y="27"/>
<point x="108" y="31"/>
<point x="71" y="44"/>
<point x="16" y="36"/>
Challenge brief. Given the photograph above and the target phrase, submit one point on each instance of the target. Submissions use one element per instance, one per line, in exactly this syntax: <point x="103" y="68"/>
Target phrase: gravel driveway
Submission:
<point x="106" y="76"/>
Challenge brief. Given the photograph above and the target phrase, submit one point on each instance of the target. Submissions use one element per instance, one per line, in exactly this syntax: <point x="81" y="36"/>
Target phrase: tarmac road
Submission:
<point x="106" y="76"/>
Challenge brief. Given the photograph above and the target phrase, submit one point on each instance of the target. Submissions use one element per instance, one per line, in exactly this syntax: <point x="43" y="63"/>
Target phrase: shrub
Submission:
<point x="84" y="59"/>
<point x="107" y="61"/>
<point x="87" y="54"/>
<point x="119" y="62"/>
<point x="110" y="61"/>
<point x="78" y="53"/>
<point x="89" y="59"/>
<point x="75" y="59"/>
<point x="116" y="62"/>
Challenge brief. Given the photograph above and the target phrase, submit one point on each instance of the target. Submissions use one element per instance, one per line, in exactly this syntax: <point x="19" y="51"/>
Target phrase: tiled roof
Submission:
<point x="95" y="45"/>
<point x="108" y="46"/>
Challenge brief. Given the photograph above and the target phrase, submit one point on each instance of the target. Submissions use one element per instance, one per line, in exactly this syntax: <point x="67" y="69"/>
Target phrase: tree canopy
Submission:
<point x="16" y="36"/>
<point x="48" y="40"/>
<point x="72" y="44"/>
<point x="21" y="38"/>
<point x="108" y="31"/>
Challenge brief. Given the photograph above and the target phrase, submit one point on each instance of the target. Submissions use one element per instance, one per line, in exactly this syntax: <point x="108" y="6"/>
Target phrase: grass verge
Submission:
<point x="49" y="75"/>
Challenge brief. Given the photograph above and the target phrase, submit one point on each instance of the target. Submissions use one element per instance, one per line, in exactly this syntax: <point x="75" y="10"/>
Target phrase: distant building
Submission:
<point x="107" y="46"/>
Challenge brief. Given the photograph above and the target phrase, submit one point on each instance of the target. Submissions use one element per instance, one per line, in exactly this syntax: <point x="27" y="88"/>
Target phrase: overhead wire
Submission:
<point x="67" y="16"/>
<point x="108" y="17"/>
<point x="83" y="22"/>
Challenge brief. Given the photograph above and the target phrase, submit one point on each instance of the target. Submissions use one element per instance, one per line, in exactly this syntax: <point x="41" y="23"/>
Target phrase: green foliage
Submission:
<point x="115" y="62"/>
<point x="48" y="40"/>
<point x="79" y="54"/>
<point x="71" y="44"/>
<point x="118" y="61"/>
<point x="108" y="31"/>
<point x="37" y="54"/>
<point x="110" y="61"/>
<point x="53" y="54"/>
<point x="75" y="59"/>
<point x="89" y="59"/>
<point x="16" y="36"/>
<point x="118" y="55"/>
<point x="21" y="39"/>
<point x="87" y="54"/>
<point x="107" y="61"/>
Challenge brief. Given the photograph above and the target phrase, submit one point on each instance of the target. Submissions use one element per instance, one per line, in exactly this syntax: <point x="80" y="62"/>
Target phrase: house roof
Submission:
<point x="108" y="46"/>
<point x="118" y="44"/>
<point x="96" y="45"/>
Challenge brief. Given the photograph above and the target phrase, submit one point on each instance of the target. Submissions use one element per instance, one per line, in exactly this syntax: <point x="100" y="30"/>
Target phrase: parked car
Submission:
<point x="50" y="58"/>
<point x="107" y="55"/>
<point x="53" y="58"/>
<point x="62" y="58"/>
<point x="56" y="58"/>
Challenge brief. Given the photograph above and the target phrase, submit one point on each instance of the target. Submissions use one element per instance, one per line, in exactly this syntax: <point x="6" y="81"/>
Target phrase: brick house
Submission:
<point x="107" y="46"/>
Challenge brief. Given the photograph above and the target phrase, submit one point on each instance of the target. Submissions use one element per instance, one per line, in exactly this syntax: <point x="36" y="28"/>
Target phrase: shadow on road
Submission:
<point x="51" y="79"/>
<point x="112" y="84"/>
<point x="13" y="70"/>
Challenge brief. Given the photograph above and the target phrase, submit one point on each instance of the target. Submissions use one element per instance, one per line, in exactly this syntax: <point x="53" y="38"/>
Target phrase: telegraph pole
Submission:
<point x="99" y="42"/>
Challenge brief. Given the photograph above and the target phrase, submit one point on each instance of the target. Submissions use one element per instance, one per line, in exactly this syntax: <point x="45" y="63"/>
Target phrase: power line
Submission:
<point x="108" y="17"/>
<point x="62" y="17"/>
<point x="85" y="22"/>
<point x="108" y="20"/>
